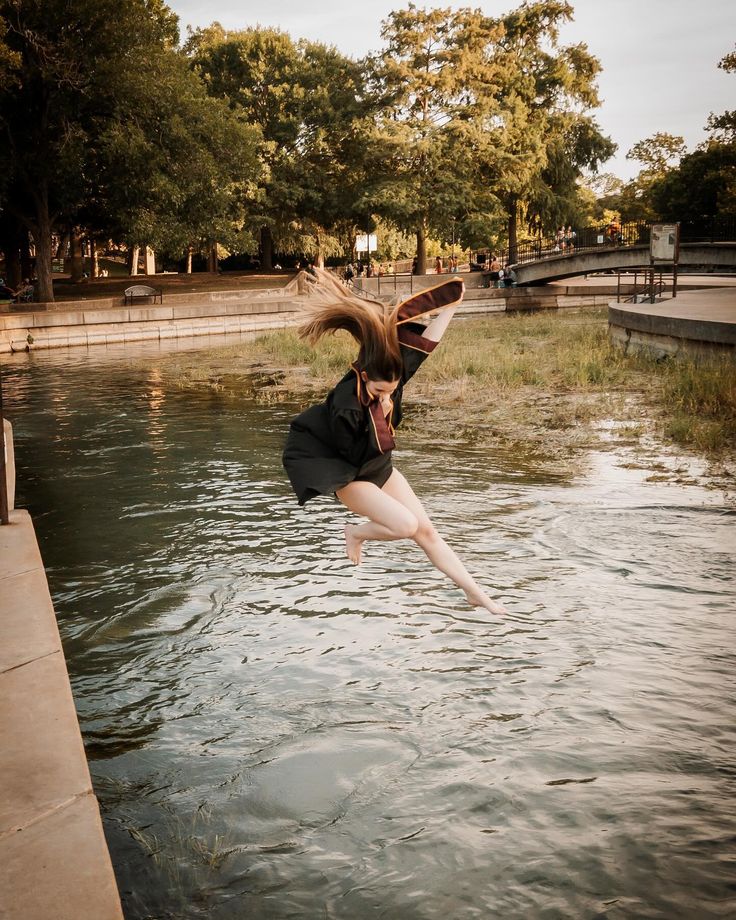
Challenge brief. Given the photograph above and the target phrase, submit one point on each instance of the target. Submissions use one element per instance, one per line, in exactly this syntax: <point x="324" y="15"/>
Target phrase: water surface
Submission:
<point x="274" y="733"/>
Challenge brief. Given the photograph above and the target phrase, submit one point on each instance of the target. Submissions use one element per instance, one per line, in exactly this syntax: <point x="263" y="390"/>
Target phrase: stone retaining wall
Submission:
<point x="89" y="325"/>
<point x="54" y="861"/>
<point x="223" y="312"/>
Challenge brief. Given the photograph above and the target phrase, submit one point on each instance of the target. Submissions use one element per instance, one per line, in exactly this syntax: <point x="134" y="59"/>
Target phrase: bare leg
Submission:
<point x="388" y="518"/>
<point x="395" y="513"/>
<point x="438" y="552"/>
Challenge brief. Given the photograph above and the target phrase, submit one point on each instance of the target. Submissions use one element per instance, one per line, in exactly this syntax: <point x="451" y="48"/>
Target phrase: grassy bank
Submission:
<point x="548" y="379"/>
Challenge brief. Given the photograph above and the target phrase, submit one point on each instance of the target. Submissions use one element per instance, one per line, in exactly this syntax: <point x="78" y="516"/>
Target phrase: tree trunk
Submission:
<point x="189" y="260"/>
<point x="42" y="239"/>
<point x="26" y="264"/>
<point x="61" y="247"/>
<point x="212" y="260"/>
<point x="77" y="259"/>
<point x="421" y="268"/>
<point x="266" y="249"/>
<point x="319" y="258"/>
<point x="513" y="226"/>
<point x="133" y="255"/>
<point x="94" y="260"/>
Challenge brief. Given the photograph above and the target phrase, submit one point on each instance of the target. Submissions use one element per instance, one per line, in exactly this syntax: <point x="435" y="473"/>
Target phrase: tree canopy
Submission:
<point x="101" y="122"/>
<point x="310" y="104"/>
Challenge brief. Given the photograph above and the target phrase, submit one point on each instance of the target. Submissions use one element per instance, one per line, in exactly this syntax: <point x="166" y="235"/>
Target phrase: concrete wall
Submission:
<point x="54" y="861"/>
<point x="231" y="311"/>
<point x="635" y="329"/>
<point x="90" y="325"/>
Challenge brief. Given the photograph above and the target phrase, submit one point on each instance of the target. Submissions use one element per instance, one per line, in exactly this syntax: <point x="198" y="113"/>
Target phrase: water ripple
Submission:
<point x="275" y="733"/>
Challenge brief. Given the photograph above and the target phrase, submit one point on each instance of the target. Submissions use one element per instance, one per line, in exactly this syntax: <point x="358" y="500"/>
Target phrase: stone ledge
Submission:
<point x="54" y="861"/>
<point x="675" y="327"/>
<point x="59" y="868"/>
<point x="29" y="630"/>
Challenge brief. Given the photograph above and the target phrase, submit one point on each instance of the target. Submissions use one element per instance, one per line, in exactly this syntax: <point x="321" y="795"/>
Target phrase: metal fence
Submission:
<point x="632" y="233"/>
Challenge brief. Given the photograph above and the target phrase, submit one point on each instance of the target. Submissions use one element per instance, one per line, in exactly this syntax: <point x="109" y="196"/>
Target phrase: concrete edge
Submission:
<point x="54" y="860"/>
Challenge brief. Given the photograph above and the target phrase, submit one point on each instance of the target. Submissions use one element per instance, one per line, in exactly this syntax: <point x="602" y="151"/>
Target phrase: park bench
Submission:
<point x="143" y="292"/>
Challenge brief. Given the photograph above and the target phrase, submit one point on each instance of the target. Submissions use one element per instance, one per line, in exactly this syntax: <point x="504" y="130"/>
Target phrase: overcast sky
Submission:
<point x="659" y="57"/>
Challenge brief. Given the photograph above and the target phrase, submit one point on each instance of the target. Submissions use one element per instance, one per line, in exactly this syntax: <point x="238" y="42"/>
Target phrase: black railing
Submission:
<point x="648" y="283"/>
<point x="709" y="230"/>
<point x="635" y="233"/>
<point x="632" y="233"/>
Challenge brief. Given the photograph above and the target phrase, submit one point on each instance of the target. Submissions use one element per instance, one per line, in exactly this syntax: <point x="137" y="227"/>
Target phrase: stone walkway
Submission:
<point x="54" y="861"/>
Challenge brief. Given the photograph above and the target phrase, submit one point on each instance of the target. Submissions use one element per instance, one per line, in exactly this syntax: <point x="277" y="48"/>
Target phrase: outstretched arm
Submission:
<point x="437" y="328"/>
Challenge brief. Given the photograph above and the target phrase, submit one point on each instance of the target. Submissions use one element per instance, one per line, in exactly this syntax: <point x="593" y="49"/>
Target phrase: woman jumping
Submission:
<point x="343" y="445"/>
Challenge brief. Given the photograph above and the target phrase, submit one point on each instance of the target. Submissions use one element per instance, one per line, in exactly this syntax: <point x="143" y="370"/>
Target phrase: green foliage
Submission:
<point x="438" y="79"/>
<point x="106" y="126"/>
<point x="657" y="153"/>
<point x="178" y="172"/>
<point x="723" y="127"/>
<point x="311" y="105"/>
<point x="703" y="185"/>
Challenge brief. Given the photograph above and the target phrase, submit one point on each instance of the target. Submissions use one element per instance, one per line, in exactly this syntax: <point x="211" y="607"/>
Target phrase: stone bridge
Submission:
<point x="702" y="256"/>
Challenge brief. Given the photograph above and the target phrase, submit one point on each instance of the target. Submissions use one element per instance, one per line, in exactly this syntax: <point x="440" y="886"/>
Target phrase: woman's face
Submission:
<point x="377" y="389"/>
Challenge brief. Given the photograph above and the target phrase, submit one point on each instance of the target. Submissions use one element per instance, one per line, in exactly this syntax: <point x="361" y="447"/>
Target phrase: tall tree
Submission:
<point x="487" y="117"/>
<point x="173" y="174"/>
<point x="657" y="153"/>
<point x="439" y="84"/>
<point x="68" y="59"/>
<point x="107" y="126"/>
<point x="311" y="106"/>
<point x="723" y="127"/>
<point x="703" y="185"/>
<point x="546" y="138"/>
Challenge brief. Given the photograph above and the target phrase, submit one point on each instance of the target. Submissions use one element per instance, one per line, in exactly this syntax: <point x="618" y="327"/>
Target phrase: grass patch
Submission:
<point x="544" y="379"/>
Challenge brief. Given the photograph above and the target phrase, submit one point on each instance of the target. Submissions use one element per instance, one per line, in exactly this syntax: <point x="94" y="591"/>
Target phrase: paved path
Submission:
<point x="683" y="281"/>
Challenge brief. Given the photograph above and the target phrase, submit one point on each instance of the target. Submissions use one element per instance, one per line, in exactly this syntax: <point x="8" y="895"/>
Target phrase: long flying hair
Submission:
<point x="372" y="324"/>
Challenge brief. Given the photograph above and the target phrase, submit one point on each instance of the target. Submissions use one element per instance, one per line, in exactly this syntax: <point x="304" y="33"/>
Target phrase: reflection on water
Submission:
<point x="276" y="734"/>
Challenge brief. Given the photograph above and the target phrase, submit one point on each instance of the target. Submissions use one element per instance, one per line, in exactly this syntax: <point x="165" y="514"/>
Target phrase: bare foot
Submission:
<point x="353" y="544"/>
<point x="480" y="599"/>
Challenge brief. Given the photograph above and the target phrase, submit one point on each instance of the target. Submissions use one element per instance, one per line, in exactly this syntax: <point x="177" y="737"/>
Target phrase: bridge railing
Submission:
<point x="600" y="236"/>
<point x="709" y="230"/>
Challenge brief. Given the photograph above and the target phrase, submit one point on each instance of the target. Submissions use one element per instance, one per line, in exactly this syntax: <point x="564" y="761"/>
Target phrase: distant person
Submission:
<point x="25" y="291"/>
<point x="359" y="268"/>
<point x="494" y="271"/>
<point x="310" y="269"/>
<point x="415" y="265"/>
<point x="570" y="238"/>
<point x="349" y="273"/>
<point x="438" y="265"/>
<point x="6" y="293"/>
